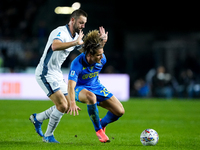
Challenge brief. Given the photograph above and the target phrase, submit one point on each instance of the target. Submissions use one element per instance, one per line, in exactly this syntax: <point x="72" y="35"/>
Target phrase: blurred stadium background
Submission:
<point x="158" y="47"/>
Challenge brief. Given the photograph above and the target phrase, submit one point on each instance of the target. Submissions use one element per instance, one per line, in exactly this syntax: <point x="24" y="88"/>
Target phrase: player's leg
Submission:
<point x="61" y="102"/>
<point x="54" y="89"/>
<point x="45" y="114"/>
<point x="89" y="98"/>
<point x="38" y="118"/>
<point x="61" y="107"/>
<point x="115" y="110"/>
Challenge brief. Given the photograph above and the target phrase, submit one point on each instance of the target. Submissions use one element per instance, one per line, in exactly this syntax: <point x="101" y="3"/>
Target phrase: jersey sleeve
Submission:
<point x="59" y="35"/>
<point x="75" y="69"/>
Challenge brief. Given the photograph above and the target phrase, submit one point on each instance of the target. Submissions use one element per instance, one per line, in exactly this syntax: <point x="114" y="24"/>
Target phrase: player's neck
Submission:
<point x="71" y="29"/>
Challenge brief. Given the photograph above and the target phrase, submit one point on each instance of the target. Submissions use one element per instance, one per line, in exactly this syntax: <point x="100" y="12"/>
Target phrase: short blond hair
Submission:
<point x="92" y="42"/>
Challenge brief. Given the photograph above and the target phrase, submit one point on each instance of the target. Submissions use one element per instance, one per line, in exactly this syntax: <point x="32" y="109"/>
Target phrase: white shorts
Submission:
<point x="51" y="84"/>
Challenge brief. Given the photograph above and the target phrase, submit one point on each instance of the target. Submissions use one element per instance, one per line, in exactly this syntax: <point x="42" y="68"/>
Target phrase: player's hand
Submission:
<point x="79" y="39"/>
<point x="73" y="109"/>
<point x="103" y="34"/>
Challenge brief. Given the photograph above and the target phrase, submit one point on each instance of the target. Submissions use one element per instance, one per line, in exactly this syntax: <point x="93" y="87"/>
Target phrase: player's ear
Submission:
<point x="73" y="19"/>
<point x="90" y="54"/>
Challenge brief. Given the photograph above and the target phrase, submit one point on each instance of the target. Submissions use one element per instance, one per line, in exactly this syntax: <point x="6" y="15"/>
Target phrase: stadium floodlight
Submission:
<point x="67" y="10"/>
<point x="76" y="5"/>
<point x="63" y="10"/>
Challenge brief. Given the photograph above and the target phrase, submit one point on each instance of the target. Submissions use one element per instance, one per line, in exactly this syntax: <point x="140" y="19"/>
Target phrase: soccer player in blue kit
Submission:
<point x="84" y="85"/>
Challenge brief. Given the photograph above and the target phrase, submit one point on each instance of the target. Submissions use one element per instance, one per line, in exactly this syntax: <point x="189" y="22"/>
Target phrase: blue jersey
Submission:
<point x="86" y="76"/>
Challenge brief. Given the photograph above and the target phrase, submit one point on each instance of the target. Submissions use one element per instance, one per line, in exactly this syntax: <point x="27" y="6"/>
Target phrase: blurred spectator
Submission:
<point x="149" y="77"/>
<point x="9" y="61"/>
<point x="141" y="88"/>
<point x="162" y="84"/>
<point x="187" y="84"/>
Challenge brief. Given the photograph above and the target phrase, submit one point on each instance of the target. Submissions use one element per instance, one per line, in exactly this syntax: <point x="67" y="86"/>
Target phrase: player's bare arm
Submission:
<point x="58" y="45"/>
<point x="71" y="94"/>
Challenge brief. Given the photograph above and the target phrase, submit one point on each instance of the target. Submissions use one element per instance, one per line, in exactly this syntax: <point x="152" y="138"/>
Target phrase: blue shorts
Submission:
<point x="101" y="92"/>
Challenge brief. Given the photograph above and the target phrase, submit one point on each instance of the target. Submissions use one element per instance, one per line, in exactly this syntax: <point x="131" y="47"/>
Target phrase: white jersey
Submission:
<point x="51" y="61"/>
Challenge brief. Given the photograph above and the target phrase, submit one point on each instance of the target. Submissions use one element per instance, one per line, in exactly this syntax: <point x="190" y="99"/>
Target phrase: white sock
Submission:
<point x="54" y="119"/>
<point x="45" y="114"/>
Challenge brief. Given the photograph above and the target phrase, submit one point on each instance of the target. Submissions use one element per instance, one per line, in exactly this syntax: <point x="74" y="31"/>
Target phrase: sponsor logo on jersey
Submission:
<point x="90" y="75"/>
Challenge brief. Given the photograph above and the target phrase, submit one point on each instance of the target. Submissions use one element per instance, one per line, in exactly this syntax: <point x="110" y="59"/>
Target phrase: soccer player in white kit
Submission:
<point x="61" y="42"/>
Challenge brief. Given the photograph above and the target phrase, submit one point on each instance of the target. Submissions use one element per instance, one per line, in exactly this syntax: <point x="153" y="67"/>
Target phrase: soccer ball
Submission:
<point x="149" y="137"/>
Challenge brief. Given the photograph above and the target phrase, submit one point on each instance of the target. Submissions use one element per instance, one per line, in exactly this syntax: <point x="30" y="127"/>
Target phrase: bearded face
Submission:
<point x="79" y="23"/>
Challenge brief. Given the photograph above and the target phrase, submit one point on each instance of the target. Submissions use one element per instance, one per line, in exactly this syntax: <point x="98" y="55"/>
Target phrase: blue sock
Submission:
<point x="94" y="116"/>
<point x="110" y="117"/>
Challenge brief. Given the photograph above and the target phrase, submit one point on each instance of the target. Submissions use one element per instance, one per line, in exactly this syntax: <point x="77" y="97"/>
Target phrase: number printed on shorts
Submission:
<point x="105" y="92"/>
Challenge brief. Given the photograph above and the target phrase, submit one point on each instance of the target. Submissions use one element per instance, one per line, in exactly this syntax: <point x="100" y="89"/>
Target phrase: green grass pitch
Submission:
<point x="176" y="121"/>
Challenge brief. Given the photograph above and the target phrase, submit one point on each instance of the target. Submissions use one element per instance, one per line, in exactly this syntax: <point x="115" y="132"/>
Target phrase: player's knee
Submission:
<point x="121" y="111"/>
<point x="91" y="97"/>
<point x="63" y="107"/>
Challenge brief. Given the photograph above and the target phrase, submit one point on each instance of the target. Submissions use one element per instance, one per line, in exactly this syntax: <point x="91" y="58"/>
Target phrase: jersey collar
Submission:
<point x="70" y="31"/>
